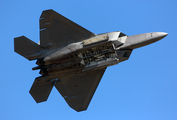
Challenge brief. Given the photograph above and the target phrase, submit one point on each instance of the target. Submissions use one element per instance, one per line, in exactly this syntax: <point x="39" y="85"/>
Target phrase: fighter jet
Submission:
<point x="73" y="59"/>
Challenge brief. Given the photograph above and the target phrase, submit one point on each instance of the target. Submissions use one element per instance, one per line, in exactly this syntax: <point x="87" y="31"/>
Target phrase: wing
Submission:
<point x="78" y="90"/>
<point x="58" y="31"/>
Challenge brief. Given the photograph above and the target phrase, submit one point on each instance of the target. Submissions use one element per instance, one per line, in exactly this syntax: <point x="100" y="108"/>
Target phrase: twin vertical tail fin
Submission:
<point x="27" y="48"/>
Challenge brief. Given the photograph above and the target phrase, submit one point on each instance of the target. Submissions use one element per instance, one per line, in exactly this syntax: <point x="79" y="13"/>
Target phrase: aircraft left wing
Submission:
<point x="78" y="90"/>
<point x="56" y="31"/>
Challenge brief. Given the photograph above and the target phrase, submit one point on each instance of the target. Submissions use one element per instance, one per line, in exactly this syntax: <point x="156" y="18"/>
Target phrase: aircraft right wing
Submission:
<point x="57" y="31"/>
<point x="78" y="90"/>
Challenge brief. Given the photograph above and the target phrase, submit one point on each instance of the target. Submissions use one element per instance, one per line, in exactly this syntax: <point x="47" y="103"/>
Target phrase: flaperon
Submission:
<point x="74" y="59"/>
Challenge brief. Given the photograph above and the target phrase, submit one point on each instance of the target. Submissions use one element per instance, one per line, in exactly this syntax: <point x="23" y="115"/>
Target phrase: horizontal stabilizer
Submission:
<point x="27" y="48"/>
<point x="40" y="90"/>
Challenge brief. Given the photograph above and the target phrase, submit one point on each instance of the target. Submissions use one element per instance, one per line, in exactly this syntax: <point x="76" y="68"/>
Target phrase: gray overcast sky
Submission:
<point x="142" y="88"/>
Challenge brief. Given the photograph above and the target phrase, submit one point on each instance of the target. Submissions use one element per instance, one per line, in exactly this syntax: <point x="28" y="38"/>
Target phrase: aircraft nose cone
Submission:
<point x="140" y="40"/>
<point x="163" y="33"/>
<point x="160" y="34"/>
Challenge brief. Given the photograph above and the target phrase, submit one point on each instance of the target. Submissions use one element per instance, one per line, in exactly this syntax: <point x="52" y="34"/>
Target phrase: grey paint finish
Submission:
<point x="27" y="48"/>
<point x="45" y="87"/>
<point x="141" y="40"/>
<point x="60" y="31"/>
<point x="80" y="89"/>
<point x="74" y="59"/>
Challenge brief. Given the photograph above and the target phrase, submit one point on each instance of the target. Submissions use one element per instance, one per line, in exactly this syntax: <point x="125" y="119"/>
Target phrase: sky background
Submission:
<point x="141" y="88"/>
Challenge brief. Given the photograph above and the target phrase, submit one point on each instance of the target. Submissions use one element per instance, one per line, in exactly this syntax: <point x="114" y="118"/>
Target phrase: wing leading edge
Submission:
<point x="78" y="90"/>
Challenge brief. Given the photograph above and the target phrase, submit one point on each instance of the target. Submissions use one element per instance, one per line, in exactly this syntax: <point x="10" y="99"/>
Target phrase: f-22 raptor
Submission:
<point x="73" y="59"/>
